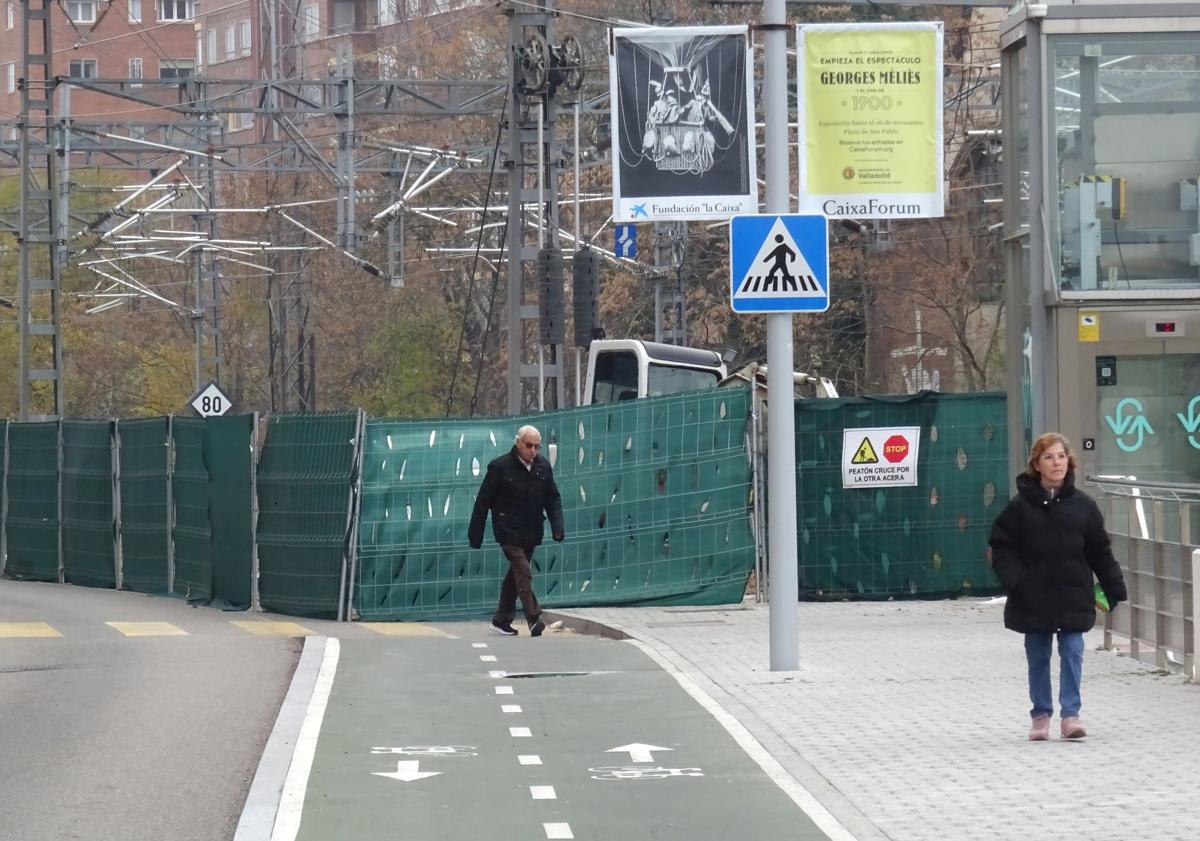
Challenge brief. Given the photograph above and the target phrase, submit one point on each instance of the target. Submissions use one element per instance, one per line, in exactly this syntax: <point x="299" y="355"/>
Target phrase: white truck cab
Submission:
<point x="626" y="369"/>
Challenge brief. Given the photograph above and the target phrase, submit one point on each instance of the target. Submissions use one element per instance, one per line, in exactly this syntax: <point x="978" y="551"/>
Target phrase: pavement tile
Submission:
<point x="908" y="720"/>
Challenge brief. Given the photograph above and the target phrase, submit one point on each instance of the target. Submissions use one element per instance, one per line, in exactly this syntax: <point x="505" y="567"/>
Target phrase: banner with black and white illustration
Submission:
<point x="682" y="103"/>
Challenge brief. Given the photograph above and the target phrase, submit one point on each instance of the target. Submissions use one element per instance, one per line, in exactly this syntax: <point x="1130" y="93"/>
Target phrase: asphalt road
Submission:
<point x="138" y="738"/>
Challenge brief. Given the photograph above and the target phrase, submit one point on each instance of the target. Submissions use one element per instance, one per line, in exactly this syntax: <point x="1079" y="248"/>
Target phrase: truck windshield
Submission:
<point x="616" y="377"/>
<point x="666" y="379"/>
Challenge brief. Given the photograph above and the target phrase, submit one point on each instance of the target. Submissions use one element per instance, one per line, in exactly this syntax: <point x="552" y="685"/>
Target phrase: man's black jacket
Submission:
<point x="517" y="496"/>
<point x="1045" y="550"/>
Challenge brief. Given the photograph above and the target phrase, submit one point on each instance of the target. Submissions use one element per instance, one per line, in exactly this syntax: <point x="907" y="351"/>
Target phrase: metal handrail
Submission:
<point x="1155" y="539"/>
<point x="1132" y="486"/>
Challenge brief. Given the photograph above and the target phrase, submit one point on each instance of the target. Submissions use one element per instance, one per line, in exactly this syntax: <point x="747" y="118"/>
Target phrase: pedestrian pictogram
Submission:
<point x="895" y="448"/>
<point x="865" y="454"/>
<point x="779" y="263"/>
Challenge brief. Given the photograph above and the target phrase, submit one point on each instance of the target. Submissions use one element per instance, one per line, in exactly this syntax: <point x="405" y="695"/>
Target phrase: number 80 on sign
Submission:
<point x="210" y="401"/>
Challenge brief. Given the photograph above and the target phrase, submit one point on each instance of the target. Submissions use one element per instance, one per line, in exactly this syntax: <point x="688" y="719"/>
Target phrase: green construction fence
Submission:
<point x="305" y="482"/>
<point x="31" y="521"/>
<point x="333" y="516"/>
<point x="927" y="540"/>
<point x="655" y="502"/>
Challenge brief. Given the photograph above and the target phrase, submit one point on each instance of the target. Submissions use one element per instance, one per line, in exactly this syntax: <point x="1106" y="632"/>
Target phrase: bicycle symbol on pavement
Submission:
<point x="429" y="750"/>
<point x="641" y="772"/>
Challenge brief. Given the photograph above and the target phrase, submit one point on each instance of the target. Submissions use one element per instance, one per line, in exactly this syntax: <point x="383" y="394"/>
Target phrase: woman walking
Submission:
<point x="1046" y="544"/>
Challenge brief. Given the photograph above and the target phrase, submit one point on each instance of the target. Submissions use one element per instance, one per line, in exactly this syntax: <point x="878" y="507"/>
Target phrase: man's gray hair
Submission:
<point x="525" y="431"/>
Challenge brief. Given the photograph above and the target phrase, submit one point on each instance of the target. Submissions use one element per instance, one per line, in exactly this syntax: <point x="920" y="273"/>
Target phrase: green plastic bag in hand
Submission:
<point x="1101" y="599"/>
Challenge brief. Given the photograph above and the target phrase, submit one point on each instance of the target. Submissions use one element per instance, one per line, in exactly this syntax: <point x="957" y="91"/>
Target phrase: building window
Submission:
<point x="81" y="11"/>
<point x="310" y="24"/>
<point x="135" y="11"/>
<point x="213" y="58"/>
<point x="175" y="9"/>
<point x="176" y="68"/>
<point x="83" y="68"/>
<point x="387" y="12"/>
<point x="230" y="45"/>
<point x="200" y="48"/>
<point x="244" y="32"/>
<point x="12" y="14"/>
<point x="239" y="121"/>
<point x="135" y="72"/>
<point x="10" y="85"/>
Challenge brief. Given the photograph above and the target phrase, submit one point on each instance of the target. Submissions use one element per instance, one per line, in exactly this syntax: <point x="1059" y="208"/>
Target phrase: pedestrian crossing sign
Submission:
<point x="779" y="263"/>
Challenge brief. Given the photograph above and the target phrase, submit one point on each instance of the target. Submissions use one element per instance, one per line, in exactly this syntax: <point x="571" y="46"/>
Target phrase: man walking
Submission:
<point x="518" y="488"/>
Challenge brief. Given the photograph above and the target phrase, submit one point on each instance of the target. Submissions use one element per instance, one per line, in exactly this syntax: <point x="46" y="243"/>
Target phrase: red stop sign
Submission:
<point x="895" y="448"/>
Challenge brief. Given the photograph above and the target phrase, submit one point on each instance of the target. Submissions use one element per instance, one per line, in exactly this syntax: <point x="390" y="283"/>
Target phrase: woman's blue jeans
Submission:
<point x="1070" y="657"/>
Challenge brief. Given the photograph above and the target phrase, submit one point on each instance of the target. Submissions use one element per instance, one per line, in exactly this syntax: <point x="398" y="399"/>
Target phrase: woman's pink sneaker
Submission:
<point x="1072" y="729"/>
<point x="1040" y="730"/>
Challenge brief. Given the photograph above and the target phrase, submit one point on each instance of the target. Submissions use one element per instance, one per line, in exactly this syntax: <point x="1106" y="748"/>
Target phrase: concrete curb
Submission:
<point x="590" y="627"/>
<point x="262" y="802"/>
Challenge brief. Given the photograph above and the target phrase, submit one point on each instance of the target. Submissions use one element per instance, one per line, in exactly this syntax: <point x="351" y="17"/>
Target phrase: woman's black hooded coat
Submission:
<point x="1044" y="551"/>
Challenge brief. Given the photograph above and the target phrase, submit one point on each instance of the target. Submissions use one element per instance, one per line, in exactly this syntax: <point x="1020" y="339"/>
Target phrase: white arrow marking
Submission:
<point x="406" y="771"/>
<point x="637" y="751"/>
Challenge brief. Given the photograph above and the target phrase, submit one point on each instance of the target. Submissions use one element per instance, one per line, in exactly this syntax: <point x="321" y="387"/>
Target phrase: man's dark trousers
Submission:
<point x="518" y="581"/>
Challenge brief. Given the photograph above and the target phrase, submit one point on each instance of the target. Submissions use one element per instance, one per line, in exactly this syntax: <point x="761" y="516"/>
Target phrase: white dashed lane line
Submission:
<point x="554" y="831"/>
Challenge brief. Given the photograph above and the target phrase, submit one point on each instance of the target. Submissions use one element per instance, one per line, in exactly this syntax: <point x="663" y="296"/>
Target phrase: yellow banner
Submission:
<point x="872" y="113"/>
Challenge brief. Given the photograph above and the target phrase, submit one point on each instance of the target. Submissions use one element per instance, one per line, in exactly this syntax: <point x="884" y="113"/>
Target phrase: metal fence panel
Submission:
<point x="229" y="455"/>
<point x="304" y="478"/>
<point x="925" y="540"/>
<point x="145" y="504"/>
<point x="87" y="503"/>
<point x="33" y="501"/>
<point x="192" y="532"/>
<point x="655" y="502"/>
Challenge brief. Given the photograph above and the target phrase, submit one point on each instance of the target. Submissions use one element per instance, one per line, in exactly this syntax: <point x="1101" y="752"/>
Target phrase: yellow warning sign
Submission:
<point x="1089" y="327"/>
<point x="865" y="454"/>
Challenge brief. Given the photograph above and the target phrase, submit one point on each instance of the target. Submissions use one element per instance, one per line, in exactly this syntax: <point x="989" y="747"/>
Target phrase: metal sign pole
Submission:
<point x="781" y="439"/>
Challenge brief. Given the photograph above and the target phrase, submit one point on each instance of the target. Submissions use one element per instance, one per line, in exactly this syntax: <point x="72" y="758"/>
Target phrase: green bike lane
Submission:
<point x="475" y="736"/>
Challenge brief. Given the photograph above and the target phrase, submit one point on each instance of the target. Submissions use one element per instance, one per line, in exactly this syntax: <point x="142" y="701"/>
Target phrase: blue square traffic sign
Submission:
<point x="779" y="263"/>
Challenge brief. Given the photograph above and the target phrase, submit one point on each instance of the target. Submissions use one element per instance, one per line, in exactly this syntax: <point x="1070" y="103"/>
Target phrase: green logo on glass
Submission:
<point x="1192" y="422"/>
<point x="1132" y="424"/>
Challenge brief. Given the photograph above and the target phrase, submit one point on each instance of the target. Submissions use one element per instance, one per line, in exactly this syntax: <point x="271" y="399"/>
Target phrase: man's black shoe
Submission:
<point x="535" y="630"/>
<point x="505" y="630"/>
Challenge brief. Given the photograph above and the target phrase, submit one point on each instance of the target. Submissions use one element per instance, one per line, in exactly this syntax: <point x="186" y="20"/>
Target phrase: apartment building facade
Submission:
<point x="129" y="40"/>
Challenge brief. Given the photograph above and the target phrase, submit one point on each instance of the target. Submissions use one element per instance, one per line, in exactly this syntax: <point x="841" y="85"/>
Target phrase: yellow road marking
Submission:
<point x="403" y="629"/>
<point x="147" y="629"/>
<point x="26" y="629"/>
<point x="275" y="629"/>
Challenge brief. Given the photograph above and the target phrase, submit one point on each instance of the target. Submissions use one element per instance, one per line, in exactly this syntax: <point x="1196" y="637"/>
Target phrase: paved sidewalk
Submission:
<point x="908" y="721"/>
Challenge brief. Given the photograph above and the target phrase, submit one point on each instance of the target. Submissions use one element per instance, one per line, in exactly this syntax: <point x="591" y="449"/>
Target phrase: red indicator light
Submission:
<point x="1164" y="327"/>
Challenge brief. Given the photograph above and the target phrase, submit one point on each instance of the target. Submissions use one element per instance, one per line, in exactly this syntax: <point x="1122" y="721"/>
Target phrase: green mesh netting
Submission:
<point x="89" y="556"/>
<point x="145" y="538"/>
<point x="31" y="483"/>
<point x="304" y="480"/>
<point x="213" y="531"/>
<point x="229" y="455"/>
<point x="927" y="540"/>
<point x="3" y="491"/>
<point x="192" y="532"/>
<point x="654" y="493"/>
